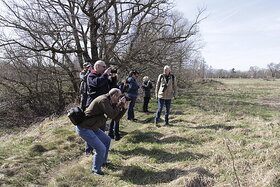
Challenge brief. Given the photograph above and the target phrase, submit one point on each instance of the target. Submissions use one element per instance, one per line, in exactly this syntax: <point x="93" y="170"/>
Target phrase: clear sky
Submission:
<point x="237" y="33"/>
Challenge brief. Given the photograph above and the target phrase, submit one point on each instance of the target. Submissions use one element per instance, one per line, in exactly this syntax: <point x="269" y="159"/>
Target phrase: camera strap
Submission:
<point x="162" y="76"/>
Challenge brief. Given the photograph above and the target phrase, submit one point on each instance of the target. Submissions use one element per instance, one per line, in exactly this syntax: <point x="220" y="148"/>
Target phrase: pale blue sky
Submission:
<point x="237" y="33"/>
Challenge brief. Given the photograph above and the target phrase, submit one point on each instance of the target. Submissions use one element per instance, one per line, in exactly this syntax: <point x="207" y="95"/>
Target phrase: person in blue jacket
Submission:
<point x="132" y="93"/>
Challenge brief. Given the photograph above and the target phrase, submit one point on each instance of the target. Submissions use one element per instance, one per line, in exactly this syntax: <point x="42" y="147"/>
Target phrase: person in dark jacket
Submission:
<point x="99" y="81"/>
<point x="85" y="70"/>
<point x="83" y="90"/>
<point x="108" y="105"/>
<point x="132" y="93"/>
<point x="146" y="86"/>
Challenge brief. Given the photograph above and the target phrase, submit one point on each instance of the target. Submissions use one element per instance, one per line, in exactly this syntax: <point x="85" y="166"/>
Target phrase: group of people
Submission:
<point x="102" y="97"/>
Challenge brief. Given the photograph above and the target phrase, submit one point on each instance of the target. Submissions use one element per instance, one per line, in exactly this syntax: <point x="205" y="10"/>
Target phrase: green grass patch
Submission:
<point x="206" y="118"/>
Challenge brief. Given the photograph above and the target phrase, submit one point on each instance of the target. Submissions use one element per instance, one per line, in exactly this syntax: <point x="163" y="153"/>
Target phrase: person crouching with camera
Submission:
<point x="166" y="90"/>
<point x="110" y="105"/>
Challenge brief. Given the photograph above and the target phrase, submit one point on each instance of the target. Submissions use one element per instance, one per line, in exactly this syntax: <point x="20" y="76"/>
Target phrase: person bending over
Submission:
<point x="105" y="106"/>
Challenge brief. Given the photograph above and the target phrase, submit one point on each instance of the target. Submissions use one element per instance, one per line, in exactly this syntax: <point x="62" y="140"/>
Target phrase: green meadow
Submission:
<point x="223" y="133"/>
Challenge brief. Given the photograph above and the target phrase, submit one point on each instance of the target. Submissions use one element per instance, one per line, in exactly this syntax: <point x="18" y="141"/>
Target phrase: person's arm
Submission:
<point x="98" y="82"/>
<point x="150" y="85"/>
<point x="133" y="85"/>
<point x="82" y="75"/>
<point x="175" y="93"/>
<point x="112" y="112"/>
<point x="144" y="86"/>
<point x="124" y="107"/>
<point x="157" y="86"/>
<point x="113" y="82"/>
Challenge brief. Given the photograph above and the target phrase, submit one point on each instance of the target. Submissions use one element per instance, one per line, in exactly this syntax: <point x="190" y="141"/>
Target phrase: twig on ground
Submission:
<point x="233" y="165"/>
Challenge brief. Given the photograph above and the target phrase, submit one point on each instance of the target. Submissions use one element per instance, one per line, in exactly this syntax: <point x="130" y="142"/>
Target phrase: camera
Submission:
<point x="164" y="87"/>
<point x="114" y="71"/>
<point x="127" y="98"/>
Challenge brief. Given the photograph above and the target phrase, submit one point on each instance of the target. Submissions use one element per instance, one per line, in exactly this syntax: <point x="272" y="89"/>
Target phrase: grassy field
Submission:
<point x="223" y="133"/>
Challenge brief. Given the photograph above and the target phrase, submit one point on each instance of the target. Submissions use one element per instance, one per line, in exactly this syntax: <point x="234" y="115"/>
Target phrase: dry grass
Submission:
<point x="192" y="152"/>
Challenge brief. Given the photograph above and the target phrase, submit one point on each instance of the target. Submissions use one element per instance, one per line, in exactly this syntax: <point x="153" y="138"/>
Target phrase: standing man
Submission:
<point x="132" y="92"/>
<point x="83" y="86"/>
<point x="166" y="90"/>
<point x="107" y="105"/>
<point x="99" y="81"/>
<point x="85" y="70"/>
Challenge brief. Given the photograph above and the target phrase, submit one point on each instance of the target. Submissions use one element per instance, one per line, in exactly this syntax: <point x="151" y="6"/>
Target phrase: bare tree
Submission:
<point x="253" y="70"/>
<point x="274" y="69"/>
<point x="46" y="42"/>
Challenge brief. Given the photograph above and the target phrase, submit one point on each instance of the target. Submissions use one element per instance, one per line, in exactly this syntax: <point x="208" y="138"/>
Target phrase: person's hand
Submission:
<point x="126" y="104"/>
<point x="122" y="100"/>
<point x="108" y="70"/>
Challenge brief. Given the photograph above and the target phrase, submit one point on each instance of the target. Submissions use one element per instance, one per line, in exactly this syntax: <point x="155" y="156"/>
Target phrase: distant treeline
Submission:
<point x="272" y="72"/>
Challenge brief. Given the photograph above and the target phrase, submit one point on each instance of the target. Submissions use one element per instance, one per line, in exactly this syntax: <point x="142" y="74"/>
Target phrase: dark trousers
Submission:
<point x="114" y="128"/>
<point x="146" y="103"/>
<point x="130" y="111"/>
<point x="83" y="101"/>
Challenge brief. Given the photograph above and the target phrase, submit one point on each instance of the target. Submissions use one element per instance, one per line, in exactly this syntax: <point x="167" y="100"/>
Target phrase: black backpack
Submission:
<point x="76" y="115"/>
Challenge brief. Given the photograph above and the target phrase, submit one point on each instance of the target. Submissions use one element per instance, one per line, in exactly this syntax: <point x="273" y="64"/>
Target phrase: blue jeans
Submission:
<point x="130" y="110"/>
<point x="114" y="128"/>
<point x="88" y="148"/>
<point x="161" y="103"/>
<point x="100" y="142"/>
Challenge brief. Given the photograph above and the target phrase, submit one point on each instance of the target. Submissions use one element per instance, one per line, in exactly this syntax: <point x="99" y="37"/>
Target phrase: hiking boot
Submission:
<point x="118" y="137"/>
<point x="107" y="164"/>
<point x="156" y="124"/>
<point x="89" y="153"/>
<point x="99" y="173"/>
<point x="111" y="136"/>
<point x="168" y="124"/>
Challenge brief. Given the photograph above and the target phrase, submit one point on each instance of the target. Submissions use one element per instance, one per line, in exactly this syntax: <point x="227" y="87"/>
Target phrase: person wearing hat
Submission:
<point x="85" y="70"/>
<point x="132" y="93"/>
<point x="83" y="90"/>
